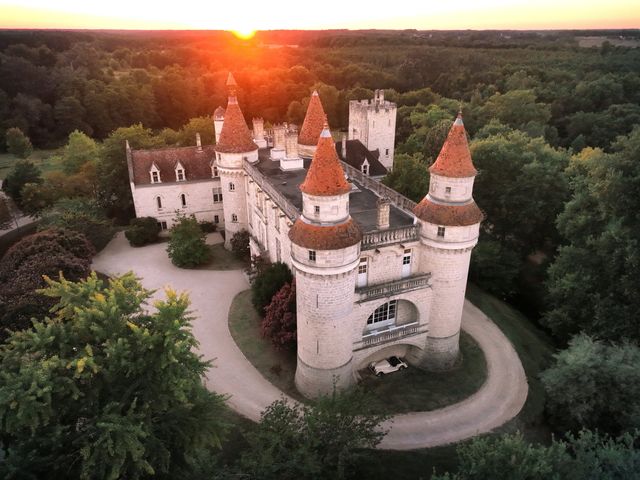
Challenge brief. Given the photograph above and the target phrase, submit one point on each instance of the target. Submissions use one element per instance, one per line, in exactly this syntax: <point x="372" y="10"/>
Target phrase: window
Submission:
<point x="155" y="177"/>
<point x="159" y="203"/>
<point x="362" y="273"/>
<point x="365" y="169"/>
<point x="386" y="152"/>
<point x="219" y="157"/>
<point x="234" y="218"/>
<point x="232" y="187"/>
<point x="183" y="200"/>
<point x="216" y="219"/>
<point x="441" y="232"/>
<point x="384" y="314"/>
<point x="162" y="225"/>
<point x="447" y="190"/>
<point x="180" y="175"/>
<point x="217" y="195"/>
<point x="278" y="253"/>
<point x="214" y="172"/>
<point x="312" y="255"/>
<point x="362" y="268"/>
<point x="406" y="258"/>
<point x="316" y="209"/>
<point x="276" y="219"/>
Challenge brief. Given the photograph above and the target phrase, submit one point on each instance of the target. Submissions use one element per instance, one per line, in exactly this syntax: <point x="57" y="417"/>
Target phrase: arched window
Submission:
<point x="384" y="315"/>
<point x="159" y="203"/>
<point x="183" y="200"/>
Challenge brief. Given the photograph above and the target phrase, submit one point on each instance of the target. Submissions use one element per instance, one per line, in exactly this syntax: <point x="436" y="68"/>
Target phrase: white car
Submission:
<point x="388" y="365"/>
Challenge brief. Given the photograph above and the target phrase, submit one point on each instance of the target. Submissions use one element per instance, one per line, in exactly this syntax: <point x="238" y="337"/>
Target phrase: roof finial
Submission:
<point x="459" y="117"/>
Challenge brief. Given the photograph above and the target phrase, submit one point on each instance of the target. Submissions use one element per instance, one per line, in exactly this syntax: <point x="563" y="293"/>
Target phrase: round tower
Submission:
<point x="314" y="121"/>
<point x="234" y="146"/>
<point x="218" y="122"/>
<point x="325" y="252"/>
<point x="450" y="224"/>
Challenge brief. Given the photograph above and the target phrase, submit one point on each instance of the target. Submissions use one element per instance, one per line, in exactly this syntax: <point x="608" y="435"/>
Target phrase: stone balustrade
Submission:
<point x="389" y="334"/>
<point x="380" y="238"/>
<point x="387" y="289"/>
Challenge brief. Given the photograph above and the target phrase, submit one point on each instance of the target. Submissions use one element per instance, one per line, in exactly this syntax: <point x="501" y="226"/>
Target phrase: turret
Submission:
<point x="218" y="122"/>
<point x="325" y="252"/>
<point x="234" y="147"/>
<point x="450" y="224"/>
<point x="313" y="124"/>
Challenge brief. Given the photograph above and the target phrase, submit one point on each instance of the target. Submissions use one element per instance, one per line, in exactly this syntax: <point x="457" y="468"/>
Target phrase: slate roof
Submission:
<point x="197" y="165"/>
<point x="356" y="155"/>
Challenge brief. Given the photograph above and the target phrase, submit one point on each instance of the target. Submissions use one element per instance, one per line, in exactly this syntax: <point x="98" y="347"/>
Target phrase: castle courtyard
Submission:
<point x="499" y="400"/>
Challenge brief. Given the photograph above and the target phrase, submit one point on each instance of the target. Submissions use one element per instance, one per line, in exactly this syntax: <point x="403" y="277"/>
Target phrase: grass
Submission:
<point x="43" y="159"/>
<point x="222" y="259"/>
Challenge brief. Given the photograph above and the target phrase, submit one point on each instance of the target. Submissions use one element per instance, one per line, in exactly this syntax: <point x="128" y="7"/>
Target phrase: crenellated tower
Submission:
<point x="314" y="121"/>
<point x="234" y="146"/>
<point x="450" y="224"/>
<point x="325" y="252"/>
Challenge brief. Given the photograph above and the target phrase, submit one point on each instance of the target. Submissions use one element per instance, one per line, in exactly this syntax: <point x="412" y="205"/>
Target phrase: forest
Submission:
<point x="554" y="130"/>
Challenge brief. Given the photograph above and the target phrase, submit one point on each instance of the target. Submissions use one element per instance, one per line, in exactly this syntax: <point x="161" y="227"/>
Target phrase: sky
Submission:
<point x="289" y="14"/>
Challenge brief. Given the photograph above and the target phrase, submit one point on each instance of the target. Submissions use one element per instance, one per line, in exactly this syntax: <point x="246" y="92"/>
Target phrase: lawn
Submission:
<point x="407" y="391"/>
<point x="41" y="158"/>
<point x="222" y="259"/>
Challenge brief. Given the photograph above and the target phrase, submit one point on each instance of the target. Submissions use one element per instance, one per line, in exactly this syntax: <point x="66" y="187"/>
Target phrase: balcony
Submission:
<point x="388" y="289"/>
<point x="389" y="334"/>
<point x="381" y="238"/>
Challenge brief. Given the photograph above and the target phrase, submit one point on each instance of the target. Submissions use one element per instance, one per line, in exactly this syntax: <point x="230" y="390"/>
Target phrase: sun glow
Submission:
<point x="244" y="33"/>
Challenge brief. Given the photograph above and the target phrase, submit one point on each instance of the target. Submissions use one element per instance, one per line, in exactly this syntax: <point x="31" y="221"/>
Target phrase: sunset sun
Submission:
<point x="244" y="33"/>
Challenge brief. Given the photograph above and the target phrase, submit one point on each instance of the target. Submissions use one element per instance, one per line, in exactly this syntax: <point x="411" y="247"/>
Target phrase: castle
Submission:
<point x="376" y="274"/>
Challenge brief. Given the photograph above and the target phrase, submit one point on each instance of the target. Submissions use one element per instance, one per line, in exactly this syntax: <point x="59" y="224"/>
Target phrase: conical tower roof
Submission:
<point x="454" y="160"/>
<point x="325" y="176"/>
<point x="313" y="122"/>
<point x="235" y="136"/>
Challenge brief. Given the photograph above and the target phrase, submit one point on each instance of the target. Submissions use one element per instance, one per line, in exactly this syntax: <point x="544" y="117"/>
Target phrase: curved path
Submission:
<point x="211" y="292"/>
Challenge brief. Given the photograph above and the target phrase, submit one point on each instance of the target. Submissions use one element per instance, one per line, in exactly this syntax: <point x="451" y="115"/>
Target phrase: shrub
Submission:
<point x="240" y="244"/>
<point x="80" y="215"/>
<point x="18" y="143"/>
<point x="279" y="323"/>
<point x="142" y="231"/>
<point x="187" y="247"/>
<point x="208" y="227"/>
<point x="22" y="173"/>
<point x="267" y="283"/>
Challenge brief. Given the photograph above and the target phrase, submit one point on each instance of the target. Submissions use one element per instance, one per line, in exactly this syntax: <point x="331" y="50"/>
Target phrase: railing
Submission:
<point x="397" y="199"/>
<point x="393" y="288"/>
<point x="389" y="334"/>
<point x="380" y="238"/>
<point x="283" y="202"/>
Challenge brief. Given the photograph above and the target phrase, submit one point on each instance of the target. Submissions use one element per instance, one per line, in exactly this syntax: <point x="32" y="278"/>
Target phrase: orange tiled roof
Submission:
<point x="448" y="215"/>
<point x="325" y="175"/>
<point x="454" y="159"/>
<point x="313" y="122"/>
<point x="329" y="237"/>
<point x="235" y="136"/>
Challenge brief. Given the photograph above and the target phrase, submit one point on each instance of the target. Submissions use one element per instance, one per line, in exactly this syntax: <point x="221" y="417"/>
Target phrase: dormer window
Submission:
<point x="214" y="172"/>
<point x="155" y="174"/>
<point x="180" y="175"/>
<point x="365" y="168"/>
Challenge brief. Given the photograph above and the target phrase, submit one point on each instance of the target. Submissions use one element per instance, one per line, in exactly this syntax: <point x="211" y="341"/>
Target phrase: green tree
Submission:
<point x="494" y="267"/>
<point x="80" y="215"/>
<point x="79" y="150"/>
<point x="268" y="281"/>
<point x="594" y="385"/>
<point x="518" y="109"/>
<point x="187" y="244"/>
<point x="323" y="440"/>
<point x="240" y="244"/>
<point x="142" y="231"/>
<point x="18" y="143"/>
<point x="593" y="279"/>
<point x="409" y="176"/>
<point x="22" y="173"/>
<point x="201" y="125"/>
<point x="587" y="456"/>
<point x="109" y="390"/>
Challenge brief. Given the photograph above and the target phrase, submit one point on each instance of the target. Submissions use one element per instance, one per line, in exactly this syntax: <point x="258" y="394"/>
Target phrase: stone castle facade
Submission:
<point x="376" y="274"/>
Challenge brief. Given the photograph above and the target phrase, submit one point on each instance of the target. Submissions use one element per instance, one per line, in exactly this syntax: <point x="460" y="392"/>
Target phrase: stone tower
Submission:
<point x="234" y="146"/>
<point x="374" y="124"/>
<point x="450" y="224"/>
<point x="313" y="124"/>
<point x="325" y="252"/>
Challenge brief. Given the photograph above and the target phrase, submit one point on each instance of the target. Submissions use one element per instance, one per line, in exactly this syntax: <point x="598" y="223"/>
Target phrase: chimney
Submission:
<point x="258" y="129"/>
<point x="198" y="143"/>
<point x="381" y="96"/>
<point x="344" y="147"/>
<point x="291" y="144"/>
<point x="278" y="136"/>
<point x="383" y="206"/>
